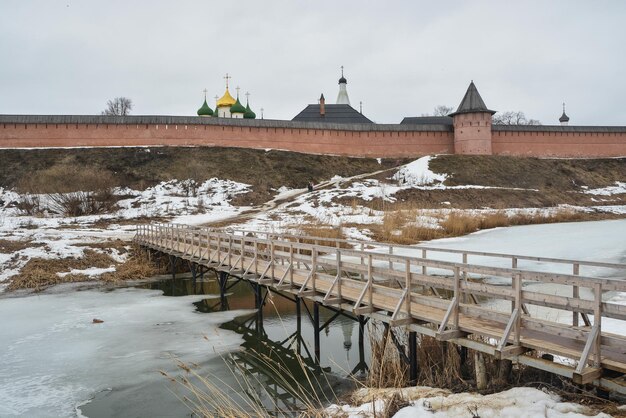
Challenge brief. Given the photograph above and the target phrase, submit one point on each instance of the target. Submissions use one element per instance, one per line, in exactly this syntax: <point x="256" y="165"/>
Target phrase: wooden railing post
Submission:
<point x="243" y="251"/>
<point x="362" y="259"/>
<point x="424" y="265"/>
<point x="272" y="261"/>
<point x="407" y="285"/>
<point x="390" y="253"/>
<point x="339" y="273"/>
<point x="518" y="307"/>
<point x="291" y="264"/>
<point x="314" y="267"/>
<point x="230" y="251"/>
<point x="457" y="296"/>
<point x="298" y="252"/>
<point x="256" y="257"/>
<point x="597" y="322"/>
<point x="575" y="293"/>
<point x="370" y="282"/>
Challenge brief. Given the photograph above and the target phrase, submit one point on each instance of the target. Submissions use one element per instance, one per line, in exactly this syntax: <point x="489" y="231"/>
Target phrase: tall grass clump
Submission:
<point x="68" y="190"/>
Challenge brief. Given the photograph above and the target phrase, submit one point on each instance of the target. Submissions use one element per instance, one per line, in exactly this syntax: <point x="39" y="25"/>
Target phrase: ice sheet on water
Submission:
<point x="53" y="356"/>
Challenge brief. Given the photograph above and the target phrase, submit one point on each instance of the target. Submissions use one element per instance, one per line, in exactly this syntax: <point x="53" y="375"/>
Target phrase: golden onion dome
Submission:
<point x="227" y="100"/>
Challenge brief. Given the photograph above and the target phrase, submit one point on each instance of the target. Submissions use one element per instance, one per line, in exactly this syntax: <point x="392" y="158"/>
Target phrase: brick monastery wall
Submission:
<point x="548" y="142"/>
<point x="351" y="140"/>
<point x="364" y="143"/>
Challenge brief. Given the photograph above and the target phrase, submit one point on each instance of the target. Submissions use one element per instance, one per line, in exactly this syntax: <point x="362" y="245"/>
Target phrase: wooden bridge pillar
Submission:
<point x="413" y="358"/>
<point x="173" y="260"/>
<point x="362" y="341"/>
<point x="298" y="300"/>
<point x="316" y="330"/>
<point x="258" y="303"/>
<point x="193" y="268"/>
<point x="223" y="280"/>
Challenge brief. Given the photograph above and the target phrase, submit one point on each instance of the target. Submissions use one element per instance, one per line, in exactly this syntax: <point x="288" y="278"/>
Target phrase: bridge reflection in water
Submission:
<point x="281" y="370"/>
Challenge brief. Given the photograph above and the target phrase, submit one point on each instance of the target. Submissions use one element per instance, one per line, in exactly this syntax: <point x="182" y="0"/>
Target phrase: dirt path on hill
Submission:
<point x="282" y="201"/>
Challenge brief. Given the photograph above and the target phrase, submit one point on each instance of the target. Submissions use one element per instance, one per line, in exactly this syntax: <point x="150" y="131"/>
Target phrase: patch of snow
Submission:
<point x="417" y="173"/>
<point x="619" y="188"/>
<point x="91" y="271"/>
<point x="513" y="403"/>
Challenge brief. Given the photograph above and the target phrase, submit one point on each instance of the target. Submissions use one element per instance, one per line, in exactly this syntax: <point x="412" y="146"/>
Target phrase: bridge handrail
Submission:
<point x="609" y="283"/>
<point x="445" y="250"/>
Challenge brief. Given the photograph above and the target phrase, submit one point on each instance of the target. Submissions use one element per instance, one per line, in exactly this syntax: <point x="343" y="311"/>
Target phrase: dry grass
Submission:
<point x="321" y="230"/>
<point x="399" y="226"/>
<point x="40" y="273"/>
<point x="10" y="246"/>
<point x="458" y="223"/>
<point x="137" y="267"/>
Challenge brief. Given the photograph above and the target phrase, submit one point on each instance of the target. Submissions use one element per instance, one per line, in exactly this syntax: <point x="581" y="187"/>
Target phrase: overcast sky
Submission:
<point x="401" y="58"/>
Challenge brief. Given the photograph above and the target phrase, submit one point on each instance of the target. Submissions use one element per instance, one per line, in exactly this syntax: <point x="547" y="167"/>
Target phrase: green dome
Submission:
<point x="205" y="110"/>
<point x="249" y="113"/>
<point x="237" y="107"/>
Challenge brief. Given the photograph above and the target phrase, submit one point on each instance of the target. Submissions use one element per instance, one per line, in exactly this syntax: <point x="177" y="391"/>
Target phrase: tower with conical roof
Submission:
<point x="564" y="119"/>
<point x="472" y="124"/>
<point x="342" y="97"/>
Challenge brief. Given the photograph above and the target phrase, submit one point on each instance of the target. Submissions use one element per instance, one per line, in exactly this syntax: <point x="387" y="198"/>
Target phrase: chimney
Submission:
<point x="322" y="106"/>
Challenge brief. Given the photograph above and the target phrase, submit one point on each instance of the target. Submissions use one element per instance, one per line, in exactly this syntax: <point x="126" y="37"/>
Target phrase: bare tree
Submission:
<point x="513" y="118"/>
<point x="120" y="106"/>
<point x="442" y="110"/>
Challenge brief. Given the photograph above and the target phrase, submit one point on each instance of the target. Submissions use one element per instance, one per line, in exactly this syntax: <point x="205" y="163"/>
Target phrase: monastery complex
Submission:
<point x="320" y="128"/>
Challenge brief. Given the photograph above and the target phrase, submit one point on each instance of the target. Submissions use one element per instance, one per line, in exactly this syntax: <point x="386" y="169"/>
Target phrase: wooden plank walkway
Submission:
<point x="443" y="299"/>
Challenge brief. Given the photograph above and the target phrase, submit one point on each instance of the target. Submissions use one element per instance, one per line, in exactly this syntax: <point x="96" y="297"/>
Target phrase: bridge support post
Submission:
<point x="258" y="303"/>
<point x="223" y="280"/>
<point x="173" y="266"/>
<point x="413" y="358"/>
<point x="362" y="340"/>
<point x="193" y="276"/>
<point x="298" y="322"/>
<point x="316" y="330"/>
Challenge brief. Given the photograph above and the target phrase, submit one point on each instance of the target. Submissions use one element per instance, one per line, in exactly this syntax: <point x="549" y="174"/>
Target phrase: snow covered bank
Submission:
<point x="437" y="403"/>
<point x="52" y="236"/>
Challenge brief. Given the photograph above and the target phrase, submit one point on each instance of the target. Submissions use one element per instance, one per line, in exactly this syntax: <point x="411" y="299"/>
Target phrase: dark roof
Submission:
<point x="362" y="126"/>
<point x="427" y="120"/>
<point x="564" y="118"/>
<point x="343" y="80"/>
<point x="335" y="113"/>
<point x="472" y="102"/>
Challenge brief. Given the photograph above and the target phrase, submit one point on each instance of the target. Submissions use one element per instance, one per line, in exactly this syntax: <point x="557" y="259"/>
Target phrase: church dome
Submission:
<point x="237" y="107"/>
<point x="249" y="114"/>
<point x="205" y="110"/>
<point x="227" y="100"/>
<point x="343" y="80"/>
<point x="564" y="117"/>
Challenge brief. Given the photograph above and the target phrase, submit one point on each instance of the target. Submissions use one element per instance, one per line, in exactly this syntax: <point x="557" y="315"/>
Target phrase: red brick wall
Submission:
<point x="559" y="144"/>
<point x="319" y="141"/>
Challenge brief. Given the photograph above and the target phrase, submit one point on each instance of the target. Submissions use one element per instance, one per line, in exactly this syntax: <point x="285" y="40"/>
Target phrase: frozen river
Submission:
<point x="56" y="362"/>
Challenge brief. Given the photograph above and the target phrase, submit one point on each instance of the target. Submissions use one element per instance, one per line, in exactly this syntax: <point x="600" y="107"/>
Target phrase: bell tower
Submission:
<point x="472" y="124"/>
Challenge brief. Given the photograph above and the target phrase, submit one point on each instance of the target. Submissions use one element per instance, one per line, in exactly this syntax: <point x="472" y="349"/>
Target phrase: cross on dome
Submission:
<point x="227" y="77"/>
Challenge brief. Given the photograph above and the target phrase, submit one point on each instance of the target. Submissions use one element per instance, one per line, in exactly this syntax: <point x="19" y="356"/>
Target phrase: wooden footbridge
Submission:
<point x="564" y="323"/>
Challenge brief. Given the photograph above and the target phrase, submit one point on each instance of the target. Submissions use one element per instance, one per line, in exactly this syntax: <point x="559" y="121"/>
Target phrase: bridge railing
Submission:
<point x="409" y="283"/>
